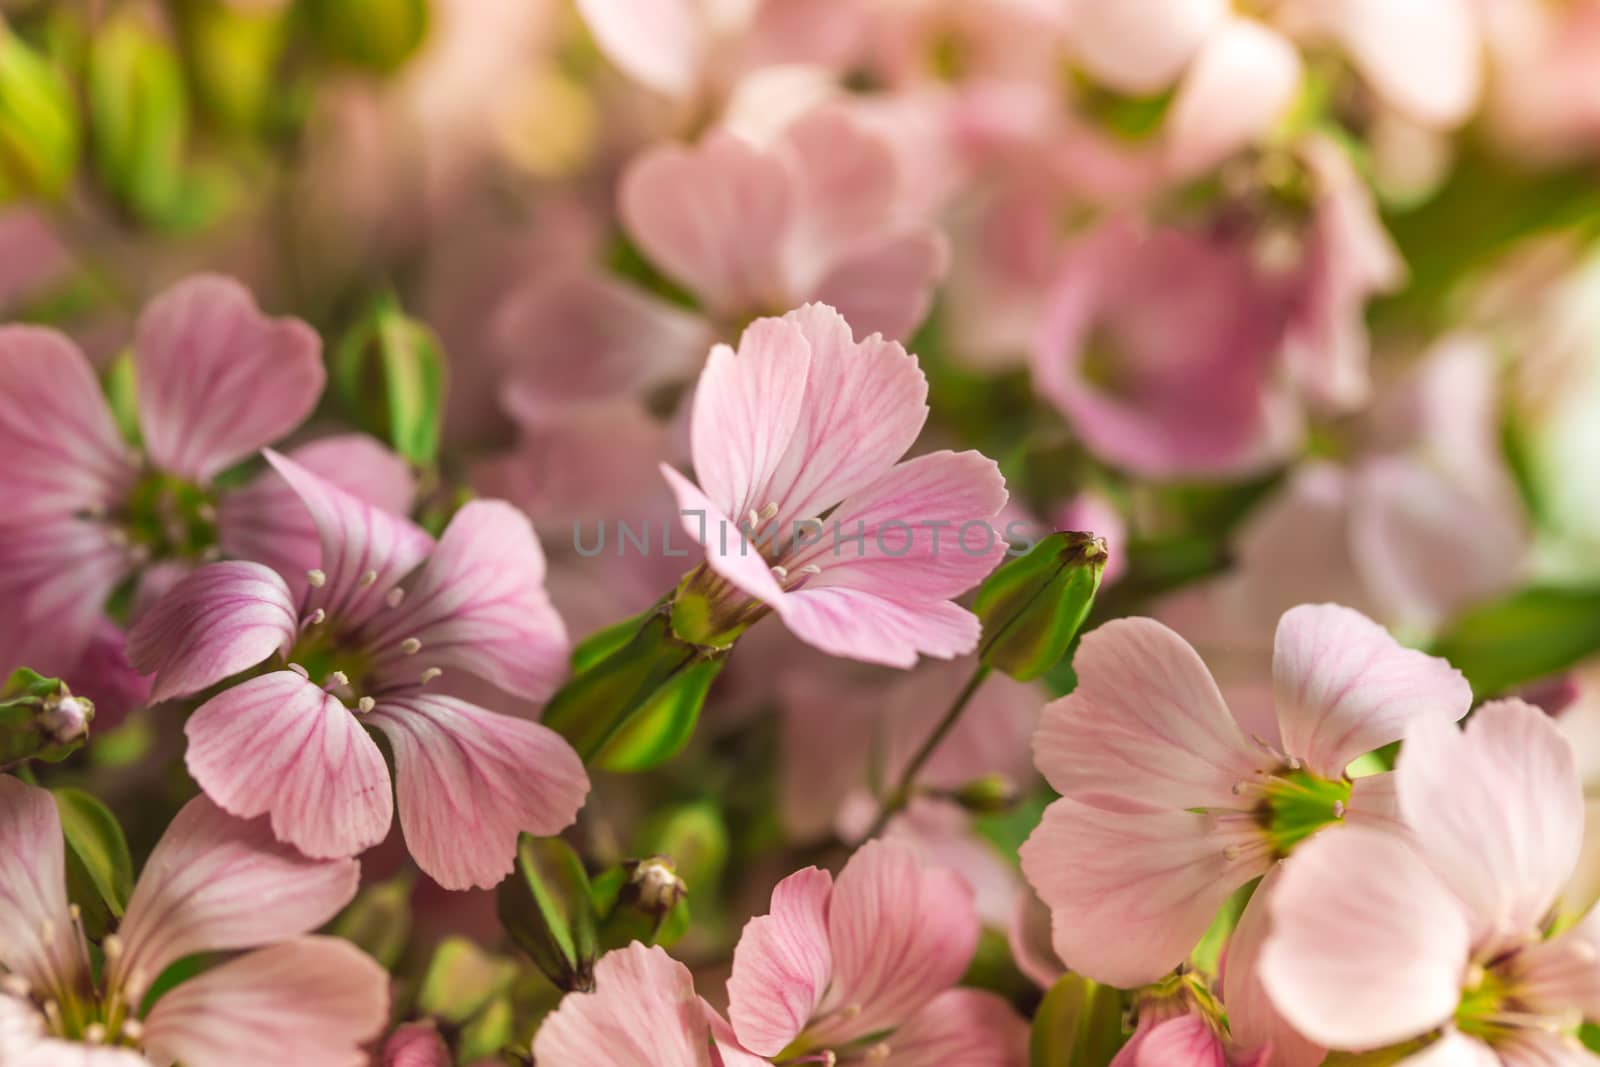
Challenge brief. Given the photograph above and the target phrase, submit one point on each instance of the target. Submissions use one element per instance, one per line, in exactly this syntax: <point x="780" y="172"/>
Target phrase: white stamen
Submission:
<point x="1231" y="853"/>
<point x="301" y="671"/>
<point x="133" y="1030"/>
<point x="95" y="1033"/>
<point x="317" y="618"/>
<point x="211" y="553"/>
<point x="112" y="947"/>
<point x="394" y="597"/>
<point x="780" y="573"/>
<point x="769" y="512"/>
<point x="752" y="519"/>
<point x="15" y="985"/>
<point x="336" y="680"/>
<point x="1338" y="809"/>
<point x="878" y="1053"/>
<point x="430" y="674"/>
<point x="368" y="579"/>
<point x="317" y="578"/>
<point x="206" y="512"/>
<point x="410" y="646"/>
<point x="811" y="570"/>
<point x="365" y="704"/>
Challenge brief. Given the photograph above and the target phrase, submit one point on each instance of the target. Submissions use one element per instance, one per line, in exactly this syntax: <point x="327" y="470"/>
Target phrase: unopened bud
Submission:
<point x="139" y="117"/>
<point x="654" y="885"/>
<point x="989" y="795"/>
<point x="39" y="127"/>
<point x="394" y="359"/>
<point x="40" y="718"/>
<point x="547" y="909"/>
<point x="1033" y="607"/>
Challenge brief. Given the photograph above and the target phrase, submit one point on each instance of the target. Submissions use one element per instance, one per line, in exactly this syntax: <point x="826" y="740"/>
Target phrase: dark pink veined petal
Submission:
<point x="213" y="624"/>
<point x="55" y="578"/>
<point x="216" y="883"/>
<point x="900" y="933"/>
<point x="1253" y="1021"/>
<point x="278" y="745"/>
<point x="479" y="604"/>
<point x="33" y="890"/>
<point x="862" y="405"/>
<point x="782" y="964"/>
<point x="643" y="1013"/>
<point x="266" y="522"/>
<point x="1187" y="1041"/>
<point x="1344" y="686"/>
<point x="105" y="676"/>
<point x="60" y="451"/>
<point x="877" y="629"/>
<point x="887" y="286"/>
<point x="716" y="217"/>
<point x="312" y="1000"/>
<point x="366" y="550"/>
<point x="470" y="781"/>
<point x="218" y="380"/>
<point x="962" y="1028"/>
<point x="660" y="43"/>
<point x="416" y="1045"/>
<point x="1130" y="894"/>
<point x="1145" y="727"/>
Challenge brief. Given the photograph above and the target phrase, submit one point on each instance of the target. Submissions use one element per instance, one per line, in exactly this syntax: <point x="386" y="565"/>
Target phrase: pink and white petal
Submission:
<point x="1345" y="687"/>
<point x="1424" y="57"/>
<point x="60" y="451"/>
<point x="1253" y="1021"/>
<point x="220" y="620"/>
<point x="278" y="745"/>
<point x="417" y="1045"/>
<point x="1130" y="894"/>
<point x="365" y="549"/>
<point x="23" y="1043"/>
<point x="725" y="1048"/>
<point x="716" y="217"/>
<point x="876" y="629"/>
<point x="900" y="933"/>
<point x="1367" y="946"/>
<point x="266" y="522"/>
<point x="1455" y="1049"/>
<point x="1146" y="725"/>
<point x="313" y="1000"/>
<point x="728" y="551"/>
<point x="662" y="44"/>
<point x="1537" y="1048"/>
<point x="1558" y="977"/>
<point x="864" y="404"/>
<point x="1498" y="810"/>
<point x="1187" y="1041"/>
<point x="479" y="604"/>
<point x="470" y="781"/>
<point x="748" y="407"/>
<point x="962" y="1028"/>
<point x="782" y="964"/>
<point x="36" y="934"/>
<point x="1139" y="46"/>
<point x="216" y="883"/>
<point x="217" y="379"/>
<point x="924" y="530"/>
<point x="56" y="575"/>
<point x="1241" y="82"/>
<point x="1375" y="802"/>
<point x="845" y="178"/>
<point x="643" y="1013"/>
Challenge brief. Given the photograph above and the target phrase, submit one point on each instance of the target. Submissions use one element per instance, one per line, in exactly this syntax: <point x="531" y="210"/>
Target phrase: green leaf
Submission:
<point x="1032" y="607"/>
<point x="1079" y="1024"/>
<point x="659" y="730"/>
<point x="122" y="393"/>
<point x="1522" y="638"/>
<point x="546" y="907"/>
<point x="139" y="116"/>
<point x="99" y="867"/>
<point x="461" y="981"/>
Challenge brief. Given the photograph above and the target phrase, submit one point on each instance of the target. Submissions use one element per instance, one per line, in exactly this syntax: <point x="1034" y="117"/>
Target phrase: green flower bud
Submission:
<point x="139" y="116"/>
<point x="395" y="358"/>
<point x="377" y="34"/>
<point x="40" y="718"/>
<point x="39" y="128"/>
<point x="990" y="795"/>
<point x="1033" y="607"/>
<point x="641" y="900"/>
<point x="234" y="60"/>
<point x="547" y="908"/>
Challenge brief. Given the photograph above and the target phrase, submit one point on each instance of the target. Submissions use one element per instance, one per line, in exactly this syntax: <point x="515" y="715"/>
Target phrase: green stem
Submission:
<point x="900" y="796"/>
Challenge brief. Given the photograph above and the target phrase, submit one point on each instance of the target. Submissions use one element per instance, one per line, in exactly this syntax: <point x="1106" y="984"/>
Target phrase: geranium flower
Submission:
<point x="383" y="616"/>
<point x="1380" y="938"/>
<point x="213" y="884"/>
<point x="795" y="440"/>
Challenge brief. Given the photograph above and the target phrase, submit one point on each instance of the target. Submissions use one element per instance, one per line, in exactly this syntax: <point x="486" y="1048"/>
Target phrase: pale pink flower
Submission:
<point x="864" y="967"/>
<point x="643" y="1013"/>
<point x="1543" y="101"/>
<point x="383" y="615"/>
<point x="804" y="421"/>
<point x="1379" y="938"/>
<point x="213" y="884"/>
<point x="1170" y="802"/>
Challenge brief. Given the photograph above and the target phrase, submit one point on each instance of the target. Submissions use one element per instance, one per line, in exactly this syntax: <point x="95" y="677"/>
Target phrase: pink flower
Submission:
<point x="802" y="422"/>
<point x="213" y="884"/>
<point x="643" y="1013"/>
<point x="416" y="1045"/>
<point x="864" y="967"/>
<point x="1171" y="802"/>
<point x="383" y="616"/>
<point x="1379" y="938"/>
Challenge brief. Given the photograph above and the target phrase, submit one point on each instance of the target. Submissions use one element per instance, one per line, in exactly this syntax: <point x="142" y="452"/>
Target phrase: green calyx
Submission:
<point x="1483" y="1002"/>
<point x="170" y="518"/>
<point x="1296" y="804"/>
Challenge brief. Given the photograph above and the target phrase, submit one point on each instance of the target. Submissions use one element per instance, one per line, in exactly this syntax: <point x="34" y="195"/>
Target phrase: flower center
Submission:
<point x="1295" y="804"/>
<point x="165" y="517"/>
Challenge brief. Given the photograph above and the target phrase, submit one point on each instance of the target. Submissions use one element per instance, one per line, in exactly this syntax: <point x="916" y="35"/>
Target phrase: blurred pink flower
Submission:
<point x="214" y="884"/>
<point x="1446" y="928"/>
<point x="416" y="1045"/>
<point x="384" y="614"/>
<point x="1543" y="100"/>
<point x="1171" y="802"/>
<point x="1184" y="1040"/>
<point x="804" y="421"/>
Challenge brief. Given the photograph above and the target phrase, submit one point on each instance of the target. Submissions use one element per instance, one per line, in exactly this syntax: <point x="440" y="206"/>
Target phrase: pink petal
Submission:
<point x="105" y="676"/>
<point x="876" y="629"/>
<point x="218" y="380"/>
<point x="887" y="287"/>
<point x="358" y="540"/>
<point x="479" y="604"/>
<point x="900" y="934"/>
<point x="33" y="890"/>
<point x="1187" y="1041"/>
<point x="279" y="745"/>
<point x="1253" y="1020"/>
<point x="845" y="179"/>
<point x="962" y="1028"/>
<point x="217" y="883"/>
<point x="218" y="621"/>
<point x="416" y="1045"/>
<point x="1455" y="1049"/>
<point x="864" y="404"/>
<point x="470" y="781"/>
<point x="660" y="43"/>
<point x="1139" y="46"/>
<point x="1344" y="687"/>
<point x="1367" y="947"/>
<point x="313" y="1000"/>
<point x="1238" y="87"/>
<point x="23" y="1044"/>
<point x="715" y="217"/>
<point x="1498" y="810"/>
<point x="1146" y="725"/>
<point x="1558" y="977"/>
<point x="266" y="522"/>
<point x="782" y="964"/>
<point x="747" y="411"/>
<point x="1130" y="894"/>
<point x="1423" y="56"/>
<point x="726" y="1050"/>
<point x="60" y="451"/>
<point x="643" y="1013"/>
<point x="55" y="578"/>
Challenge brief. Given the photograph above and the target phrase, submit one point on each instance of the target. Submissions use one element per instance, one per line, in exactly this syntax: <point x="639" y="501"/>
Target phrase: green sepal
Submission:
<point x="1033" y="607"/>
<point x="388" y="354"/>
<point x="547" y="908"/>
<point x="99" y="865"/>
<point x="1078" y="1024"/>
<point x="659" y="730"/>
<point x="27" y="731"/>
